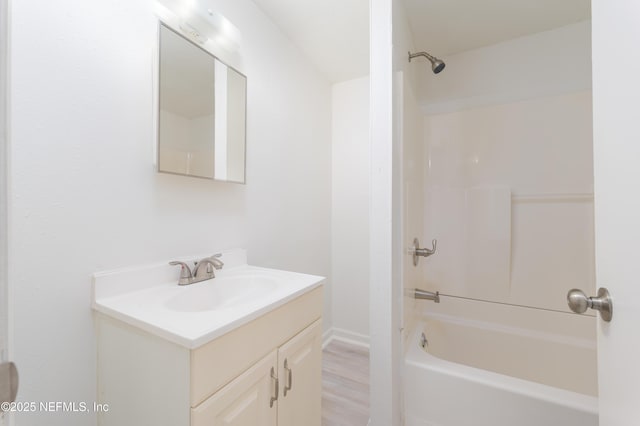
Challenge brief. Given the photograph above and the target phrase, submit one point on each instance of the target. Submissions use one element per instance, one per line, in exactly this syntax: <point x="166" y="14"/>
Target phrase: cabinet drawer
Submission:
<point x="221" y="360"/>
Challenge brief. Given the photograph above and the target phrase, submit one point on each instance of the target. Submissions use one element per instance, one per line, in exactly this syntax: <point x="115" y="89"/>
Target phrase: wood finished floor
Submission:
<point x="345" y="385"/>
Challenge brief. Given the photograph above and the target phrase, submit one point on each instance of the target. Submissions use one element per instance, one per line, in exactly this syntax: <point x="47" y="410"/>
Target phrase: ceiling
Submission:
<point x="447" y="27"/>
<point x="334" y="34"/>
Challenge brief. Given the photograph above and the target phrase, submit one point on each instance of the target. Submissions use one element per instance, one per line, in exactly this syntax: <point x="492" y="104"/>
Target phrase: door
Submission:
<point x="616" y="125"/>
<point x="248" y="400"/>
<point x="8" y="374"/>
<point x="300" y="365"/>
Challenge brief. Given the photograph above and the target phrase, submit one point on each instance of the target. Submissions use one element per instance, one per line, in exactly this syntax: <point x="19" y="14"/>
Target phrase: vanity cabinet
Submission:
<point x="148" y="380"/>
<point x="300" y="373"/>
<point x="244" y="401"/>
<point x="283" y="388"/>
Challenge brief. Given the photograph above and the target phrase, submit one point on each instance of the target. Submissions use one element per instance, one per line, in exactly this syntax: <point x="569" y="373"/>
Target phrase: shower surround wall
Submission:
<point x="509" y="180"/>
<point x="85" y="196"/>
<point x="539" y="65"/>
<point x="413" y="193"/>
<point x="508" y="194"/>
<point x="537" y="240"/>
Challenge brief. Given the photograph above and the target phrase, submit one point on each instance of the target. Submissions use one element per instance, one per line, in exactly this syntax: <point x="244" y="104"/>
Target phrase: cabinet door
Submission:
<point x="246" y="401"/>
<point x="300" y="369"/>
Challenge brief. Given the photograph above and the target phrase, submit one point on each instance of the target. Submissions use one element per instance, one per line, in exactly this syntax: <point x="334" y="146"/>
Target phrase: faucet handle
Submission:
<point x="215" y="259"/>
<point x="185" y="271"/>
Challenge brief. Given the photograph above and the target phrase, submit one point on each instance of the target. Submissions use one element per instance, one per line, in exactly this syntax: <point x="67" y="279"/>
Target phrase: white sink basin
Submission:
<point x="149" y="297"/>
<point x="222" y="293"/>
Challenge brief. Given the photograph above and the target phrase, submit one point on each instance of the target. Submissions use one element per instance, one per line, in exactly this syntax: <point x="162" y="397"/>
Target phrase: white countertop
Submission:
<point x="143" y="296"/>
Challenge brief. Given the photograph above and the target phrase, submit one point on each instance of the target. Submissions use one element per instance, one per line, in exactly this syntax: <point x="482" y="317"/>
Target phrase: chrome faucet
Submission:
<point x="200" y="272"/>
<point x="426" y="295"/>
<point x="212" y="263"/>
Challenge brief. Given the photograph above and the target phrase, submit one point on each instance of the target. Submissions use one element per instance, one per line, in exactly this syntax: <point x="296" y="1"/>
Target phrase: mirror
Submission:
<point x="202" y="112"/>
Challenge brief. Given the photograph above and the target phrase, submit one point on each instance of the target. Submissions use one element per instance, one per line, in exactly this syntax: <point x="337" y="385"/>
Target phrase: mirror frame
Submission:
<point x="159" y="95"/>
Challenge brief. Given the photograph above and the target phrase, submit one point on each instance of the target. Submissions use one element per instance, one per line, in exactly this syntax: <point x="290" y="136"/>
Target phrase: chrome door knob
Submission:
<point x="8" y="384"/>
<point x="579" y="302"/>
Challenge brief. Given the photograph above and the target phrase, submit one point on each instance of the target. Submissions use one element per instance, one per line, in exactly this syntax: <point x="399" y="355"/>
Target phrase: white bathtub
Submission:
<point x="483" y="374"/>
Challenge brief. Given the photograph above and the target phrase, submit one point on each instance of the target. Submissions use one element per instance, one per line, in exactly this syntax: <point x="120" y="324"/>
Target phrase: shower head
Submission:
<point x="437" y="65"/>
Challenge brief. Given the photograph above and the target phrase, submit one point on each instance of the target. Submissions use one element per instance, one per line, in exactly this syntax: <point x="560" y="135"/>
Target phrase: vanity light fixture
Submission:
<point x="228" y="35"/>
<point x="200" y="24"/>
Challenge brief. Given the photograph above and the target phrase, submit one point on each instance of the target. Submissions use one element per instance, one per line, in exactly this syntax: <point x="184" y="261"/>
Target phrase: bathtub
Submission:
<point x="484" y="374"/>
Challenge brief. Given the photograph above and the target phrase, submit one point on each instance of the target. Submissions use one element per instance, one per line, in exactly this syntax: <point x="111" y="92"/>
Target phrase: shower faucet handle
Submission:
<point x="424" y="252"/>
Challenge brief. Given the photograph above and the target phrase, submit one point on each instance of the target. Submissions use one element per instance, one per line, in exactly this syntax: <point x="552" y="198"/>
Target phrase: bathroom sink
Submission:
<point x="221" y="293"/>
<point x="149" y="297"/>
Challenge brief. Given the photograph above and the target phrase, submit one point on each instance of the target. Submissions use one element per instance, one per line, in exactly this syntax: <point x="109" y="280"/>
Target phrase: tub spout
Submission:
<point x="426" y="295"/>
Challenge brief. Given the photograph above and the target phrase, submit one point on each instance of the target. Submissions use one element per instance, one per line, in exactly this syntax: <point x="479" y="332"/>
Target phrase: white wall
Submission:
<point x="4" y="225"/>
<point x="392" y="126"/>
<point x="85" y="195"/>
<point x="384" y="305"/>
<point x="350" y="203"/>
<point x="350" y="209"/>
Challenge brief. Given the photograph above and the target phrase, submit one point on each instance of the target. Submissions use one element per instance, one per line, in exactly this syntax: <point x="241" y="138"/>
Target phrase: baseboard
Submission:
<point x="346" y="336"/>
<point x="327" y="337"/>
